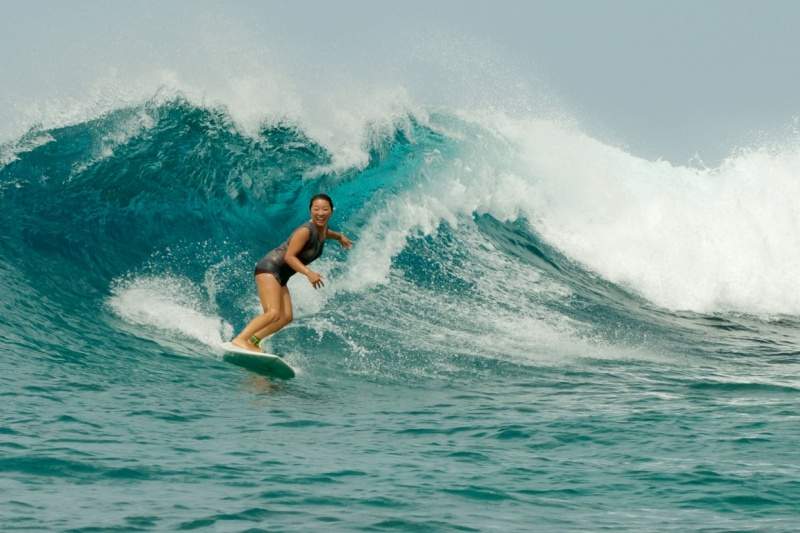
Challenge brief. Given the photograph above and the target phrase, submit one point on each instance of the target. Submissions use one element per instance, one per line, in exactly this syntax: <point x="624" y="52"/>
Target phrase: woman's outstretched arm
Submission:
<point x="337" y="236"/>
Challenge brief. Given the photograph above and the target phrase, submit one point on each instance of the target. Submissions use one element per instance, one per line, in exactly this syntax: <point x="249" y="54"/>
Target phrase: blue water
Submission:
<point x="461" y="371"/>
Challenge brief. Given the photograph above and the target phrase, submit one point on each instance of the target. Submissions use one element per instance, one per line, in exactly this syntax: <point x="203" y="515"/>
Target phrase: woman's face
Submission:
<point x="320" y="211"/>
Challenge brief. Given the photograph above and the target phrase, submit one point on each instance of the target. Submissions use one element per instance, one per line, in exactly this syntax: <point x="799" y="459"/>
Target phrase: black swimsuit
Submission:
<point x="275" y="264"/>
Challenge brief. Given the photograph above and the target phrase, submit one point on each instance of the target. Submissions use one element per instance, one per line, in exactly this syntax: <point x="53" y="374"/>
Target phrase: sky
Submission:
<point x="676" y="80"/>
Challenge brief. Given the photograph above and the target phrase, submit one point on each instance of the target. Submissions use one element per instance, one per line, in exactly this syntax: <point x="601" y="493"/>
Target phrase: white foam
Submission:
<point x="107" y="93"/>
<point x="170" y="305"/>
<point x="686" y="238"/>
<point x="10" y="152"/>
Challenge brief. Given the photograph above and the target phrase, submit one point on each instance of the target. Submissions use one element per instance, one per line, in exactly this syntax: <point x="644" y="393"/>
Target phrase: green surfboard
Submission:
<point x="266" y="364"/>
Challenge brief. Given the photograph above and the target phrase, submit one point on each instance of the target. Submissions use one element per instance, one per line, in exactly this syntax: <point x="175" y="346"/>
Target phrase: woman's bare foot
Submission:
<point x="246" y="344"/>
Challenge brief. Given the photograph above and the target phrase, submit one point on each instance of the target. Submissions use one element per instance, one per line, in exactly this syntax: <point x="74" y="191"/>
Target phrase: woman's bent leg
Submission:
<point x="284" y="318"/>
<point x="270" y="293"/>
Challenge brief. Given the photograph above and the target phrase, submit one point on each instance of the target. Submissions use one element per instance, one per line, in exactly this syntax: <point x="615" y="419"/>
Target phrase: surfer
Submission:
<point x="274" y="270"/>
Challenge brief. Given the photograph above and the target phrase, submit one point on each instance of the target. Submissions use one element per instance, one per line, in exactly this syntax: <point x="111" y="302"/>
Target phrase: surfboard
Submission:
<point x="263" y="363"/>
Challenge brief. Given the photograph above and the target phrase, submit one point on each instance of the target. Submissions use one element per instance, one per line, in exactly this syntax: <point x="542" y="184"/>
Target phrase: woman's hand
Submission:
<point x="345" y="242"/>
<point x="315" y="279"/>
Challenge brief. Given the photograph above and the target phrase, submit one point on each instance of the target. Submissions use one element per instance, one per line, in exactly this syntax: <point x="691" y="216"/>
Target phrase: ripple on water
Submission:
<point x="78" y="471"/>
<point x="251" y="514"/>
<point x="483" y="493"/>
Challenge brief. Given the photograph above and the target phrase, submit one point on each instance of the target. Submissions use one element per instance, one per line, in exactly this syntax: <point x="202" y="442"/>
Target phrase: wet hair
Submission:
<point x="321" y="197"/>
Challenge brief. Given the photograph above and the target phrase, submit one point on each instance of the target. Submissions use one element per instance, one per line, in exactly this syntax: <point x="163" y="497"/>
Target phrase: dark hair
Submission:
<point x="320" y="197"/>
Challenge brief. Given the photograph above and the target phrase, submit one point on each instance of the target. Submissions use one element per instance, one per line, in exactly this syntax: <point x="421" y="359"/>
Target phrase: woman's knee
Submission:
<point x="271" y="316"/>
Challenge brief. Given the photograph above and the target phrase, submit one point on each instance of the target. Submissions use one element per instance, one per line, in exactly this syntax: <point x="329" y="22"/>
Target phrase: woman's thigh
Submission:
<point x="269" y="292"/>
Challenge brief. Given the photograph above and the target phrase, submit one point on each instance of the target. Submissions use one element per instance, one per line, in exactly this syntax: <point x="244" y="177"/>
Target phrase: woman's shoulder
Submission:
<point x="303" y="231"/>
<point x="312" y="229"/>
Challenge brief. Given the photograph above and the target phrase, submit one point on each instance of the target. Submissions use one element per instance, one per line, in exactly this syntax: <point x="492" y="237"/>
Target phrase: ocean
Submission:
<point x="534" y="330"/>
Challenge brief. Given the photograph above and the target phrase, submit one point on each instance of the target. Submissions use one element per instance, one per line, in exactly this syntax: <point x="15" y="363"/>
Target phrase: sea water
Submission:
<point x="534" y="330"/>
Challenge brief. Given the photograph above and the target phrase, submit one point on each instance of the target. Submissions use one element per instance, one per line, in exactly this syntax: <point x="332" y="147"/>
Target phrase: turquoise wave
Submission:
<point x="172" y="189"/>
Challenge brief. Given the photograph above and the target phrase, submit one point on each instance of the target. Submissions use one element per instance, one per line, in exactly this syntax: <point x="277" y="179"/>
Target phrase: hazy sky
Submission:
<point x="665" y="79"/>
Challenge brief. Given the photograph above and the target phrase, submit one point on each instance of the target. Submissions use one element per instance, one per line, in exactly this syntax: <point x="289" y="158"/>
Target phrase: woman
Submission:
<point x="274" y="270"/>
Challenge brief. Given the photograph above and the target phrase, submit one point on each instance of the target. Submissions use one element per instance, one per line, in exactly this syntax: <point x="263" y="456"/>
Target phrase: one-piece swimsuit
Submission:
<point x="275" y="263"/>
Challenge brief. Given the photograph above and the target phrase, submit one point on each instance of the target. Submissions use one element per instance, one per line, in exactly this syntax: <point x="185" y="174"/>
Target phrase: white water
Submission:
<point x="711" y="239"/>
<point x="171" y="309"/>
